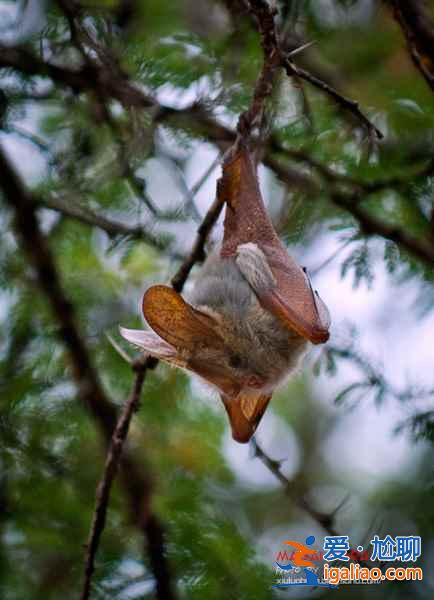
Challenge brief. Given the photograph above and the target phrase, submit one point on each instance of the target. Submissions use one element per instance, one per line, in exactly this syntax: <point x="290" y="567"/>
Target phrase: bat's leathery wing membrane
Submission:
<point x="292" y="300"/>
<point x="246" y="219"/>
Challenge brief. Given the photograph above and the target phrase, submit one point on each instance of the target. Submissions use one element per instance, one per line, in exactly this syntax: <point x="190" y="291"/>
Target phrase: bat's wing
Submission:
<point x="292" y="298"/>
<point x="246" y="219"/>
<point x="282" y="287"/>
<point x="245" y="412"/>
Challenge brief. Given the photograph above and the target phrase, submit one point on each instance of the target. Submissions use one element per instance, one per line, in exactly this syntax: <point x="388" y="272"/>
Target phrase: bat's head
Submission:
<point x="230" y="356"/>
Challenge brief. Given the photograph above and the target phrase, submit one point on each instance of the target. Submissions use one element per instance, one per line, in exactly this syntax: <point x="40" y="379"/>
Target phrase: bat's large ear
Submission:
<point x="176" y="321"/>
<point x="245" y="412"/>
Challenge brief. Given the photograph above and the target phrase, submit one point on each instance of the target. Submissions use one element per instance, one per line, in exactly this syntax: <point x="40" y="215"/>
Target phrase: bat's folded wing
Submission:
<point x="295" y="303"/>
<point x="284" y="289"/>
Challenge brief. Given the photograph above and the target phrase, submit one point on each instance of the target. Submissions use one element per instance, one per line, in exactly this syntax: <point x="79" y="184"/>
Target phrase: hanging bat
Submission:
<point x="251" y="315"/>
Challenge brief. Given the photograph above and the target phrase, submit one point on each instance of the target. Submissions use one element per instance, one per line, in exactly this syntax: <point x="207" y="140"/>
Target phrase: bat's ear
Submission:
<point x="149" y="342"/>
<point x="245" y="412"/>
<point x="176" y="321"/>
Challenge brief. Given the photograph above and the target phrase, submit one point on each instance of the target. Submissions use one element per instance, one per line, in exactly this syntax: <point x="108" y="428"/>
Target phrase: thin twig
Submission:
<point x="373" y="226"/>
<point x="331" y="258"/>
<point x="265" y="19"/>
<point x="325" y="520"/>
<point x="110" y="469"/>
<point x="111" y="227"/>
<point x="189" y="206"/>
<point x="191" y="192"/>
<point x="202" y="179"/>
<point x="30" y="137"/>
<point x="345" y="102"/>
<point x="418" y="27"/>
<point x="197" y="251"/>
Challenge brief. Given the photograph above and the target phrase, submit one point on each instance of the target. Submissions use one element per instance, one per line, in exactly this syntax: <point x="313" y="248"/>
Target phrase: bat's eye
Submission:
<point x="235" y="361"/>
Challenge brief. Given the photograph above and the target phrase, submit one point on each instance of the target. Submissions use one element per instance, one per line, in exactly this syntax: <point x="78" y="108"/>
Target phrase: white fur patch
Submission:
<point x="253" y="264"/>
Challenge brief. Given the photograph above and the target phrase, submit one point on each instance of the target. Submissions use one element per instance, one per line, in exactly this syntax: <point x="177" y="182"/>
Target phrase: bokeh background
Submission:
<point x="353" y="429"/>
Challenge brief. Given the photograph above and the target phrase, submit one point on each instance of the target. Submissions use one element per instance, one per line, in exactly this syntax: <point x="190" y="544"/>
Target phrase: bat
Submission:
<point x="252" y="313"/>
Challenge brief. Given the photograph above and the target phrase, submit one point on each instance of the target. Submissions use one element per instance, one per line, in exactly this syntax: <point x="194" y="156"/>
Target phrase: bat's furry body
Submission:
<point x="260" y="344"/>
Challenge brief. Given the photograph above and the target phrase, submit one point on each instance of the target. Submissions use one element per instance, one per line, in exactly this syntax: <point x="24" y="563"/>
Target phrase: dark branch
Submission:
<point x="346" y="103"/>
<point x="110" y="469"/>
<point x="90" y="77"/>
<point x="252" y="117"/>
<point x="373" y="226"/>
<point x="111" y="227"/>
<point x="418" y="28"/>
<point x="34" y="244"/>
<point x="325" y="520"/>
<point x="276" y="54"/>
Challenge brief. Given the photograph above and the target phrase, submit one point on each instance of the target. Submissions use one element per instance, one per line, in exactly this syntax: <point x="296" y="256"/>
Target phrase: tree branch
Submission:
<point x="110" y="469"/>
<point x="112" y="228"/>
<point x="346" y="103"/>
<point x="418" y="169"/>
<point x="418" y="28"/>
<point x="373" y="226"/>
<point x="264" y="17"/>
<point x="89" y="77"/>
<point x="121" y="431"/>
<point x="325" y="520"/>
<point x="270" y="42"/>
<point x="198" y="249"/>
<point x="369" y="224"/>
